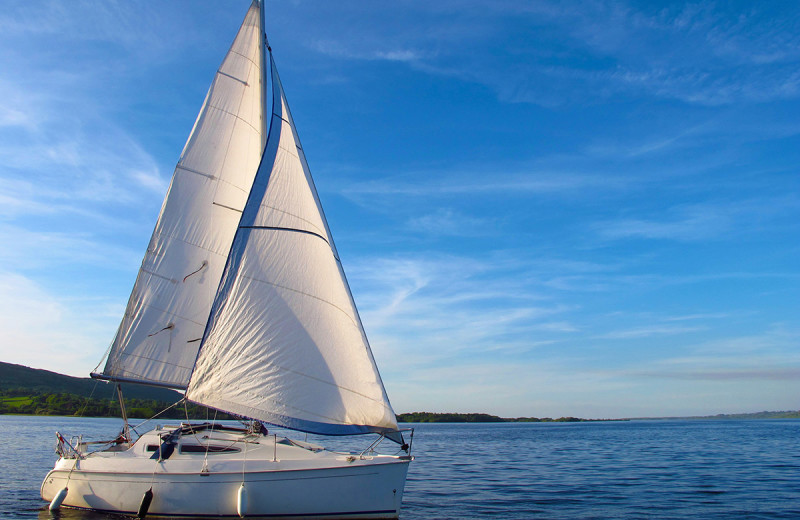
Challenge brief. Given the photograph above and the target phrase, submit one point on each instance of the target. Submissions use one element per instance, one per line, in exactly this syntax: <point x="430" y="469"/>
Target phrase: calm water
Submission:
<point x="637" y="469"/>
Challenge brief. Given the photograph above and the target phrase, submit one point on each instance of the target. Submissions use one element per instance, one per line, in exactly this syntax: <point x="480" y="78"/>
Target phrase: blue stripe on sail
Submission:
<point x="322" y="428"/>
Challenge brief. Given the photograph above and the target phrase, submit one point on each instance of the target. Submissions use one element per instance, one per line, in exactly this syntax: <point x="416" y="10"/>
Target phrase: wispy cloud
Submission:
<point x="703" y="53"/>
<point x="776" y="373"/>
<point x="770" y="355"/>
<point x="696" y="224"/>
<point x="703" y="221"/>
<point x="336" y="49"/>
<point x="452" y="223"/>
<point x="694" y="317"/>
<point x="482" y="183"/>
<point x="36" y="324"/>
<point x="445" y="308"/>
<point x="647" y="332"/>
<point x="33" y="249"/>
<point x="55" y="165"/>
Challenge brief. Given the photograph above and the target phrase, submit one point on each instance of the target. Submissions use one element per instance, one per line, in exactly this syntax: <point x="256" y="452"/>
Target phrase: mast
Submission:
<point x="264" y="46"/>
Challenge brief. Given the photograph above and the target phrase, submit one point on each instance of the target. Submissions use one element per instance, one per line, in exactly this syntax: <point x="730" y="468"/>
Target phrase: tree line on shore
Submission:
<point x="431" y="417"/>
<point x="24" y="402"/>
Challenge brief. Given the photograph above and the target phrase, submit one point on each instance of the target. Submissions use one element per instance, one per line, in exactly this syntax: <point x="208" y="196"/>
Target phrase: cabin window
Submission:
<point x="194" y="448"/>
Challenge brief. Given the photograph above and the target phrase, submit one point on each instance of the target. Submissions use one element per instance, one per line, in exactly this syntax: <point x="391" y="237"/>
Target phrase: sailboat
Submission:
<point x="241" y="302"/>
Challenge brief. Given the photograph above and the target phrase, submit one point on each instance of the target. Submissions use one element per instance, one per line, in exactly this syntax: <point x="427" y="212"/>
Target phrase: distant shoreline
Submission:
<point x="433" y="417"/>
<point x="413" y="417"/>
<point x="30" y="391"/>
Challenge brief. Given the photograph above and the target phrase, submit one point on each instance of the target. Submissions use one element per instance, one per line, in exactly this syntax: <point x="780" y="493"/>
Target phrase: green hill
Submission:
<point x="22" y="380"/>
<point x="31" y="391"/>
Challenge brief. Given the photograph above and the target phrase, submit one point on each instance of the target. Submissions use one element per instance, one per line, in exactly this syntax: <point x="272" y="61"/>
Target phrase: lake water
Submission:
<point x="636" y="469"/>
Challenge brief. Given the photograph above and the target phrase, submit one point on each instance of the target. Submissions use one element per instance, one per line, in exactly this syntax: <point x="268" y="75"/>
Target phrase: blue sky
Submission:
<point x="543" y="208"/>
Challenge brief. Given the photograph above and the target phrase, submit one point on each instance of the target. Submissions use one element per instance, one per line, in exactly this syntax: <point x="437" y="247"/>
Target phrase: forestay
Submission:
<point x="158" y="339"/>
<point x="284" y="343"/>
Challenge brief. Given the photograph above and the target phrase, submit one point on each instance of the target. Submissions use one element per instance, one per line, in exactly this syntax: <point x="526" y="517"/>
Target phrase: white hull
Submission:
<point x="283" y="480"/>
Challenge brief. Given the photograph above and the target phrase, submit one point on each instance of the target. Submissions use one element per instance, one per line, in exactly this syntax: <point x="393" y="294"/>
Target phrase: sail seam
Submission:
<point x="333" y="384"/>
<point x="333" y="420"/>
<point x="170" y="280"/>
<point x="304" y="294"/>
<point x="232" y="185"/>
<point x="380" y="401"/>
<point x="172" y="314"/>
<point x="198" y="246"/>
<point x="239" y="54"/>
<point x="227" y="150"/>
<point x="289" y="151"/>
<point x="230" y="137"/>
<point x="236" y="116"/>
<point x="150" y="359"/>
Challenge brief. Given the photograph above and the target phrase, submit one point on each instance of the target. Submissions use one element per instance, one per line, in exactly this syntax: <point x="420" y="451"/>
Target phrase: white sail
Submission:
<point x="241" y="300"/>
<point x="284" y="342"/>
<point x="159" y="336"/>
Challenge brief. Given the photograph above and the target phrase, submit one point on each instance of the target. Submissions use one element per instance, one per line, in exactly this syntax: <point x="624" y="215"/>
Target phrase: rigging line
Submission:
<point x="159" y="413"/>
<point x="208" y="444"/>
<point x="86" y="402"/>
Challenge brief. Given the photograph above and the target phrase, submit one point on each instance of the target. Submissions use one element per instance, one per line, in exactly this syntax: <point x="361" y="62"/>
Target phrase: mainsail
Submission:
<point x="159" y="336"/>
<point x="241" y="298"/>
